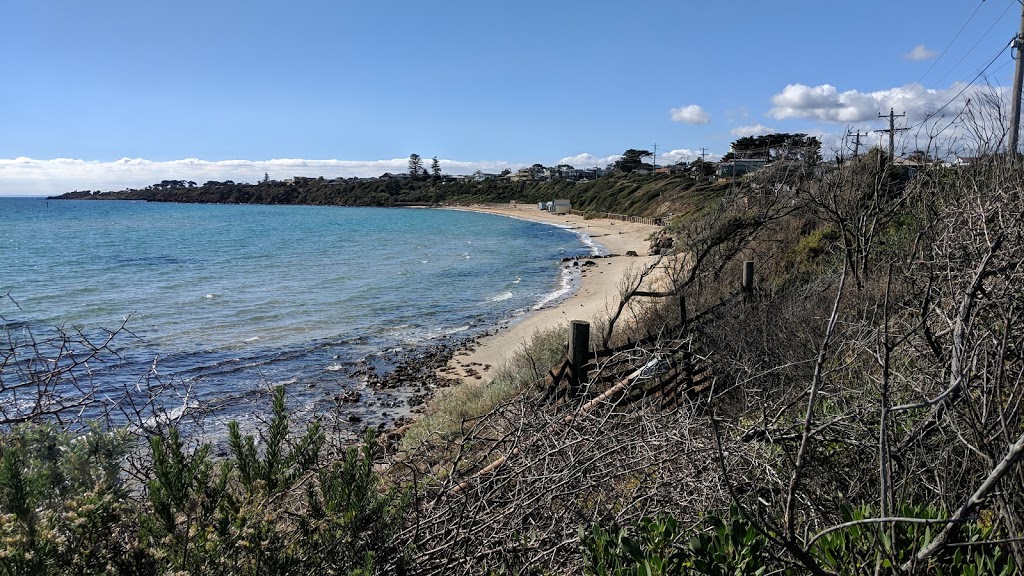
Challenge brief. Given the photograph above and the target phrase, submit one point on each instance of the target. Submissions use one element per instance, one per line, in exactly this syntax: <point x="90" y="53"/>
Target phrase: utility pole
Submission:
<point x="892" y="132"/>
<point x="655" y="155"/>
<point x="856" y="144"/>
<point x="1018" y="77"/>
<point x="703" y="152"/>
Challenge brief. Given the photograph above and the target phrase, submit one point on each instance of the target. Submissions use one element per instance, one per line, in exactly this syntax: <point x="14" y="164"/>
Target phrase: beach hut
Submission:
<point x="560" y="206"/>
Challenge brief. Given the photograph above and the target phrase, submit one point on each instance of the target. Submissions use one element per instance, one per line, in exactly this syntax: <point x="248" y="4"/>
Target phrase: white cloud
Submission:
<point x="30" y="177"/>
<point x="752" y="130"/>
<point x="586" y="160"/>
<point x="920" y="53"/>
<point x="677" y="156"/>
<point x="826" y="103"/>
<point x="692" y="114"/>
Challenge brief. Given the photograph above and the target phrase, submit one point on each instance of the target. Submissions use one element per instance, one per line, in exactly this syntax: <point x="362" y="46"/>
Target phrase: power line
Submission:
<point x="983" y="36"/>
<point x="964" y="89"/>
<point x="943" y="53"/>
<point x="964" y="57"/>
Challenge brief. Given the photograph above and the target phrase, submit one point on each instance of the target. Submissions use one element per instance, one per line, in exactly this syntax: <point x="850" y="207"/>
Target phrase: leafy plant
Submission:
<point x="858" y="548"/>
<point x="659" y="547"/>
<point x="63" y="507"/>
<point x="350" y="521"/>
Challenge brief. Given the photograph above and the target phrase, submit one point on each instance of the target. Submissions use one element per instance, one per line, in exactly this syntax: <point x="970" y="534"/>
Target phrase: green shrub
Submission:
<point x="856" y="550"/>
<point x="654" y="551"/>
<point x="812" y="247"/>
<point x="349" y="520"/>
<point x="723" y="547"/>
<point x="270" y="507"/>
<point x="732" y="545"/>
<point x="63" y="506"/>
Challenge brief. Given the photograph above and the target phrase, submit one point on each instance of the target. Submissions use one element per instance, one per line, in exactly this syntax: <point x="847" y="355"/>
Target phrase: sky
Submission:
<point x="112" y="94"/>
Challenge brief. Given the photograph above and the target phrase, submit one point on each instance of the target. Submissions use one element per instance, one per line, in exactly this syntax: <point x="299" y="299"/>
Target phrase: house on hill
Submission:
<point x="522" y="175"/>
<point x="740" y="166"/>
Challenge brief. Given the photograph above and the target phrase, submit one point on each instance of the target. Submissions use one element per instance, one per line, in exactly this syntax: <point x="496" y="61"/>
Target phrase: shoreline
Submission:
<point x="598" y="288"/>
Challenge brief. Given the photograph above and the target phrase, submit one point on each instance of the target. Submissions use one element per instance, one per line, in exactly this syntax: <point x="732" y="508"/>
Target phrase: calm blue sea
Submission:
<point x="229" y="300"/>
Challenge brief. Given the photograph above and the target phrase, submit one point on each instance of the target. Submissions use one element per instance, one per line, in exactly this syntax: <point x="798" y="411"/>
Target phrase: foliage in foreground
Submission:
<point x="732" y="545"/>
<point x="268" y="508"/>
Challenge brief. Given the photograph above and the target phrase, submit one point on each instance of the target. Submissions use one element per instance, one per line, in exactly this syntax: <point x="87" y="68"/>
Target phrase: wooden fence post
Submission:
<point x="748" y="278"/>
<point x="579" y="354"/>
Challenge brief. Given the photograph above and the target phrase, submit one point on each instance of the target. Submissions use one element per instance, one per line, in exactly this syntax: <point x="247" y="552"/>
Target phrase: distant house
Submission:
<point x="671" y="169"/>
<point x="740" y="166"/>
<point x="560" y="206"/>
<point x="522" y="175"/>
<point x="911" y="162"/>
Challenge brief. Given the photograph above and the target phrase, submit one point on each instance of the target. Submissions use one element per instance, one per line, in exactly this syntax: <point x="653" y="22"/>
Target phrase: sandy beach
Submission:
<point x="598" y="290"/>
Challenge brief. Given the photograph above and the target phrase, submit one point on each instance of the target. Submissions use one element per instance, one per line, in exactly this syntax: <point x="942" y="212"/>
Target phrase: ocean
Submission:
<point x="223" y="302"/>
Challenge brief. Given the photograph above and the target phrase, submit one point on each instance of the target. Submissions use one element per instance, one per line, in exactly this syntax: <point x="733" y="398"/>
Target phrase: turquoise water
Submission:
<point x="230" y="300"/>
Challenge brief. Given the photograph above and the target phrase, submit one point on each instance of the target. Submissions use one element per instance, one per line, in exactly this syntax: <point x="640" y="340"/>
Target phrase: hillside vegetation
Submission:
<point x="632" y="194"/>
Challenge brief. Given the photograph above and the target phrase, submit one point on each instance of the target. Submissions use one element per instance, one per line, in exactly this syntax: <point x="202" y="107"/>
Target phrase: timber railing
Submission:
<point x="666" y="369"/>
<point x="620" y="217"/>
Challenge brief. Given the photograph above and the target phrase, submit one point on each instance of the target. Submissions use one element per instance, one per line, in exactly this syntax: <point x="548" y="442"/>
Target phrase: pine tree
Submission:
<point x="435" y="168"/>
<point x="415" y="166"/>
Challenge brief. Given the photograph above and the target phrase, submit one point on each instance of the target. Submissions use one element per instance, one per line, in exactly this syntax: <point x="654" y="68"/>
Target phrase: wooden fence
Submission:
<point x="666" y="365"/>
<point x="620" y="217"/>
<point x="665" y="369"/>
<point x="659" y="367"/>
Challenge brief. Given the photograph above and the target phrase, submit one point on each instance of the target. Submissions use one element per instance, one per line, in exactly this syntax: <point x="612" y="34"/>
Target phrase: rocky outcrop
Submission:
<point x="662" y="244"/>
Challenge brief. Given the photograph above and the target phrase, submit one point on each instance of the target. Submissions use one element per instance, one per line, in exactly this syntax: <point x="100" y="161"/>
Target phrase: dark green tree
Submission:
<point x="632" y="159"/>
<point x="435" y="168"/>
<point x="782" y="146"/>
<point x="415" y="166"/>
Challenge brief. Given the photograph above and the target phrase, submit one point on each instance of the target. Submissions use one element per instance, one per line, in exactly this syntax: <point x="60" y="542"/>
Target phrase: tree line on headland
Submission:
<point x="857" y="408"/>
<point x="629" y="186"/>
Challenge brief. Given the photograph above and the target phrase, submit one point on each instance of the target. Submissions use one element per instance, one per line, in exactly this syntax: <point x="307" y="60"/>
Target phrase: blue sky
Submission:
<point x="108" y="94"/>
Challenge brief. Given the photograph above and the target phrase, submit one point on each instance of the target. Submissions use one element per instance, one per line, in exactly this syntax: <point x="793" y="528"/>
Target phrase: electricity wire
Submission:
<point x="983" y="36"/>
<point x="967" y="86"/>
<point x="943" y="53"/>
<point x="964" y="57"/>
